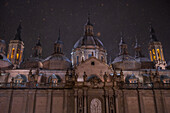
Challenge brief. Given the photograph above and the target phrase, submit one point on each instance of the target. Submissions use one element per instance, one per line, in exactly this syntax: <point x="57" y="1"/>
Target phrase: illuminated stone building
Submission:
<point x="86" y="84"/>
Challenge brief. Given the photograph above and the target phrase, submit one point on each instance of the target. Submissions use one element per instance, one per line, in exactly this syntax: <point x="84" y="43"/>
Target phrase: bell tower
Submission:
<point x="16" y="48"/>
<point x="156" y="50"/>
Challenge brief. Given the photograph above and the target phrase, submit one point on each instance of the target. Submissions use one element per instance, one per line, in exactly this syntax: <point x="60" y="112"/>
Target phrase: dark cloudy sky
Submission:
<point x="110" y="17"/>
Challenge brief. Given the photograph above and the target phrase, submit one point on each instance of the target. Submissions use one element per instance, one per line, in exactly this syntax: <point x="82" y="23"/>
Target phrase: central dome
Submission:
<point x="88" y="41"/>
<point x="88" y="45"/>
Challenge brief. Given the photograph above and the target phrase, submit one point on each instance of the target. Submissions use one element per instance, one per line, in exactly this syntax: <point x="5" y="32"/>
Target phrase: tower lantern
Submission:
<point x="37" y="49"/>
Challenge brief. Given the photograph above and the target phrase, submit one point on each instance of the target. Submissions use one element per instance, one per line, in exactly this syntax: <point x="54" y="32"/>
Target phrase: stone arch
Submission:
<point x="95" y="106"/>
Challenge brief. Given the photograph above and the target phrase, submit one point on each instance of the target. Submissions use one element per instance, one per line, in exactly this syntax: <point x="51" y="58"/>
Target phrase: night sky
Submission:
<point x="110" y="17"/>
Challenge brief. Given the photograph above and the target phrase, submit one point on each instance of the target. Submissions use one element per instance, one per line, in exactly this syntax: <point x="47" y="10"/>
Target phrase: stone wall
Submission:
<point x="69" y="100"/>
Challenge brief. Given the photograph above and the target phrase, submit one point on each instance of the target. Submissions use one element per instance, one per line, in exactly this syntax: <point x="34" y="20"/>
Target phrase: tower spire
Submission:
<point x="122" y="39"/>
<point x="88" y="19"/>
<point x="38" y="41"/>
<point x="18" y="34"/>
<point x="152" y="34"/>
<point x="59" y="34"/>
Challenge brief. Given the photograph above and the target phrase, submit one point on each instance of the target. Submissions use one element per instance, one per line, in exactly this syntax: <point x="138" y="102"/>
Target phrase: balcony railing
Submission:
<point x="29" y="85"/>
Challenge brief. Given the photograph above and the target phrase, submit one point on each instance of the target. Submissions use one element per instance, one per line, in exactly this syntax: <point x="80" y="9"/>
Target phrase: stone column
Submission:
<point x="25" y="102"/>
<point x="75" y="100"/>
<point x="11" y="99"/>
<point x="65" y="101"/>
<point x="49" y="97"/>
<point x="159" y="101"/>
<point x="30" y="103"/>
<point x="85" y="100"/>
<point x="119" y="101"/>
<point x="107" y="102"/>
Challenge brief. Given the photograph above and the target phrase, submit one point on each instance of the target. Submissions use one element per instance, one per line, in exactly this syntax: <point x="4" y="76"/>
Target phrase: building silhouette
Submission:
<point x="87" y="83"/>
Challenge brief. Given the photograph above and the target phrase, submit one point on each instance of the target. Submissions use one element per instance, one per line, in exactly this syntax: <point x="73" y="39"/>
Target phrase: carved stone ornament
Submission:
<point x="95" y="106"/>
<point x="95" y="80"/>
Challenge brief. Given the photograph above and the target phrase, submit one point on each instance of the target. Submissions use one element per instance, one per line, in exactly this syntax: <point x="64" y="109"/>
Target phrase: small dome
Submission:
<point x="32" y="63"/>
<point x="143" y="59"/>
<point x="123" y="58"/>
<point x="126" y="62"/>
<point x="88" y="41"/>
<point x="5" y="63"/>
<point x="57" y="61"/>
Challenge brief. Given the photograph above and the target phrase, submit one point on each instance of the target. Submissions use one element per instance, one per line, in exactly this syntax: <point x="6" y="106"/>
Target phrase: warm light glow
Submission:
<point x="151" y="55"/>
<point x="153" y="51"/>
<point x="162" y="55"/>
<point x="8" y="56"/>
<point x="154" y="56"/>
<point x="159" y="55"/>
<point x="20" y="56"/>
<point x="12" y="55"/>
<point x="17" y="55"/>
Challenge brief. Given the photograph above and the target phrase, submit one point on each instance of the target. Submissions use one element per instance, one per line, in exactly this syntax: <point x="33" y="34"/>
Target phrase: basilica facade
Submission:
<point x="86" y="82"/>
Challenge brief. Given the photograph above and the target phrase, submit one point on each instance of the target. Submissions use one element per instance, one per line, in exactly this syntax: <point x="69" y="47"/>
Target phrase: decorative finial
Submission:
<point x="38" y="41"/>
<point x="88" y="17"/>
<point x="110" y="60"/>
<point x="136" y="44"/>
<point x="88" y="20"/>
<point x="122" y="39"/>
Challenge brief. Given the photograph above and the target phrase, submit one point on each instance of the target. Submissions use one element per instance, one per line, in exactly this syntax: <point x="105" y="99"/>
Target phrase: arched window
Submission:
<point x="151" y="55"/>
<point x="20" y="56"/>
<point x="101" y="58"/>
<point x="18" y="51"/>
<point x="57" y="49"/>
<point x="1" y="49"/>
<point x="77" y="60"/>
<point x="1" y="57"/>
<point x="95" y="106"/>
<point x="12" y="55"/>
